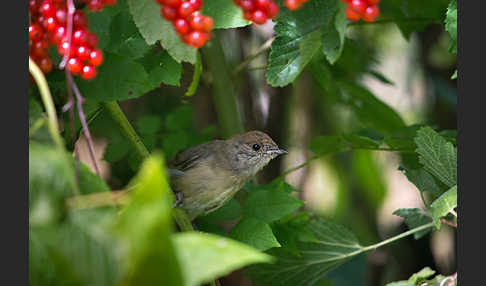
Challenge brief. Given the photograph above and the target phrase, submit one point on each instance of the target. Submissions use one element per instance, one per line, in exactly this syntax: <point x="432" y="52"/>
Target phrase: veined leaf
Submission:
<point x="443" y="205"/>
<point x="415" y="218"/>
<point x="451" y="26"/>
<point x="438" y="156"/>
<point x="254" y="233"/>
<point x="333" y="246"/>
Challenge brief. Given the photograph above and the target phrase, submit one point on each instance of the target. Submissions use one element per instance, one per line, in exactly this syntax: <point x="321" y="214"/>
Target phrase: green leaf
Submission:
<point x="423" y="180"/>
<point x="420" y="276"/>
<point x="415" y="218"/>
<point x="146" y="15"/>
<point x="322" y="145"/>
<point x="225" y="14"/>
<point x="438" y="156"/>
<point x="451" y="26"/>
<point x="116" y="151"/>
<point x="333" y="34"/>
<point x="148" y="124"/>
<point x="400" y="283"/>
<point x="298" y="38"/>
<point x="333" y="246"/>
<point x="144" y="226"/>
<point x="119" y="78"/>
<point x="216" y="255"/>
<point x="361" y="142"/>
<point x="162" y="68"/>
<point x="254" y="233"/>
<point x="443" y="205"/>
<point x="228" y="212"/>
<point x="454" y="75"/>
<point x="125" y="39"/>
<point x="270" y="204"/>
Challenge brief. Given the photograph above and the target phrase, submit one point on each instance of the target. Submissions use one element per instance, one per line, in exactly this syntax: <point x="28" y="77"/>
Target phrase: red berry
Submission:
<point x="96" y="57"/>
<point x="372" y="2"/>
<point x="74" y="65"/>
<point x="208" y="24"/>
<point x="58" y="35"/>
<point x="352" y="15"/>
<point x="272" y="10"/>
<point x="196" y="21"/>
<point x="247" y="15"/>
<point x="197" y="4"/>
<point x="181" y="26"/>
<point x="33" y="6"/>
<point x="247" y="5"/>
<point x="196" y="39"/>
<point x="48" y="8"/>
<point x="61" y="16"/>
<point x="35" y="32"/>
<point x="259" y="17"/>
<point x="110" y="2"/>
<point x="358" y="6"/>
<point x="96" y="5"/>
<point x="45" y="64"/>
<point x="88" y="72"/>
<point x="80" y="37"/>
<point x="63" y="49"/>
<point x="79" y="19"/>
<point x="50" y="24"/>
<point x="371" y="13"/>
<point x="82" y="52"/>
<point x="170" y="3"/>
<point x="347" y="1"/>
<point x="262" y="4"/>
<point x="169" y="13"/>
<point x="194" y="14"/>
<point x="92" y="40"/>
<point x="185" y="9"/>
<point x="39" y="49"/>
<point x="293" y="5"/>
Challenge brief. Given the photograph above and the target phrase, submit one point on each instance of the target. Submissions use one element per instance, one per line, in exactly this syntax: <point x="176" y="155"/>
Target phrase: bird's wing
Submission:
<point x="188" y="158"/>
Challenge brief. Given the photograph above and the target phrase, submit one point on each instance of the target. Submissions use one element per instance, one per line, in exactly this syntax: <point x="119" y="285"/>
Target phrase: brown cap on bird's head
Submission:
<point x="258" y="141"/>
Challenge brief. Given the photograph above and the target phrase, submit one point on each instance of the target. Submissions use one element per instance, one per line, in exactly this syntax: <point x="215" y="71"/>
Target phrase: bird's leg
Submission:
<point x="179" y="198"/>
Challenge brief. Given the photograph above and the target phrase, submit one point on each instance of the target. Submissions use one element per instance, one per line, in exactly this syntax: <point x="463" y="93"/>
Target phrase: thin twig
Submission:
<point x="70" y="9"/>
<point x="249" y="59"/>
<point x="444" y="221"/>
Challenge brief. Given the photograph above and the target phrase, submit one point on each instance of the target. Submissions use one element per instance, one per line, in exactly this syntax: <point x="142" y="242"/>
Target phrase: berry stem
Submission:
<point x="70" y="12"/>
<point x="258" y="52"/>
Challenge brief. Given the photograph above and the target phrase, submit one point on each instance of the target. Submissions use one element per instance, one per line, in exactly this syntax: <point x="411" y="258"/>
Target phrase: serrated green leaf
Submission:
<point x="298" y="38"/>
<point x="333" y="246"/>
<point x="162" y="68"/>
<point x="225" y="14"/>
<point x="438" y="156"/>
<point x="415" y="218"/>
<point x="333" y="34"/>
<point x="423" y="180"/>
<point x="254" y="233"/>
<point x="270" y="204"/>
<point x="217" y="255"/>
<point x="451" y="26"/>
<point x="443" y="205"/>
<point x="147" y="18"/>
<point x="125" y="39"/>
<point x="118" y="78"/>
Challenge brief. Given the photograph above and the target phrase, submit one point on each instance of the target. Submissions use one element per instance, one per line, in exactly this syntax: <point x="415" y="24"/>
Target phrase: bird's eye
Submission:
<point x="256" y="147"/>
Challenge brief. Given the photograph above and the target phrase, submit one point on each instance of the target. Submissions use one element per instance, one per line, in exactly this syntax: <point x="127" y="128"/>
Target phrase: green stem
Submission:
<point x="126" y="128"/>
<point x="224" y="94"/>
<point x="195" y="77"/>
<point x="52" y="123"/>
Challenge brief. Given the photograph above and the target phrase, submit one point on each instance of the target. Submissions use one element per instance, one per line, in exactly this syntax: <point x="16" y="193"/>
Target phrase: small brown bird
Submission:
<point x="206" y="176"/>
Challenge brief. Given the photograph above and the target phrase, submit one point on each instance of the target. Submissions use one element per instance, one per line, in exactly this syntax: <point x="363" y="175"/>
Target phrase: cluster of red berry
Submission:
<point x="362" y="9"/>
<point x="192" y="26"/>
<point x="98" y="5"/>
<point x="293" y="5"/>
<point x="258" y="11"/>
<point x="49" y="26"/>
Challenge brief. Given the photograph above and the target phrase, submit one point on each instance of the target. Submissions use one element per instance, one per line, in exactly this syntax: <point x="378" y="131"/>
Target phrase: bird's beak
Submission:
<point x="278" y="151"/>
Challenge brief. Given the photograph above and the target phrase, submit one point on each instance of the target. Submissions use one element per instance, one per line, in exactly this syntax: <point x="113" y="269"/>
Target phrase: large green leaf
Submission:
<point x="333" y="246"/>
<point x="438" y="156"/>
<point x="333" y="34"/>
<point x="147" y="17"/>
<point x="225" y="14"/>
<point x="162" y="68"/>
<point x="423" y="180"/>
<point x="415" y="218"/>
<point x="270" y="202"/>
<point x="451" y="25"/>
<point x="254" y="233"/>
<point x="443" y="205"/>
<point x="322" y="145"/>
<point x="205" y="257"/>
<point x="298" y="38"/>
<point x="143" y="229"/>
<point x="125" y="39"/>
<point x="119" y="78"/>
